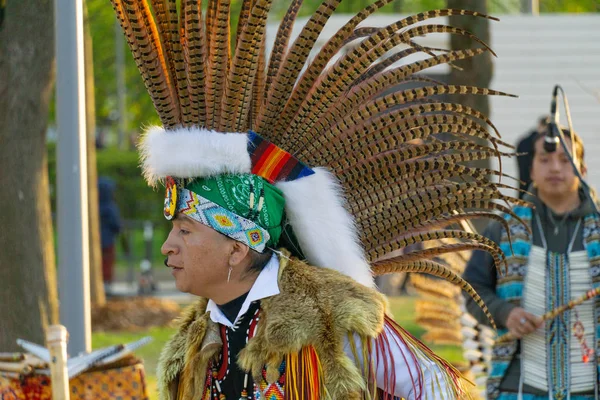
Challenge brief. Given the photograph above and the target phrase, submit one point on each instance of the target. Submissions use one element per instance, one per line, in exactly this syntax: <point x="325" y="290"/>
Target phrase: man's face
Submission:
<point x="198" y="256"/>
<point x="552" y="173"/>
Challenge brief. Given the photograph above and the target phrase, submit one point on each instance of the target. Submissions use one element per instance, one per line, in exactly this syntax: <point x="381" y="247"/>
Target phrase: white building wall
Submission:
<point x="534" y="54"/>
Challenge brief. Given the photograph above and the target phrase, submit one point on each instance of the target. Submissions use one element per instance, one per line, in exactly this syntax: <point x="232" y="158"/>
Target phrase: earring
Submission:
<point x="229" y="274"/>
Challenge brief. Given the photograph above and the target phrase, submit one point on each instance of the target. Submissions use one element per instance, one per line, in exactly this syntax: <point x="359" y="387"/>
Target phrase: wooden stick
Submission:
<point x="12" y="357"/>
<point x="557" y="311"/>
<point x="19" y="367"/>
<point x="56" y="338"/>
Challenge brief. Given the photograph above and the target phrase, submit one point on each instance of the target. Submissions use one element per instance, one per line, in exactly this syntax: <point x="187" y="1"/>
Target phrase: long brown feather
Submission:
<point x="210" y="21"/>
<point x="398" y="240"/>
<point x="398" y="140"/>
<point x="391" y="211"/>
<point x="285" y="79"/>
<point x="428" y="220"/>
<point x="377" y="122"/>
<point x="145" y="37"/>
<point x="161" y="12"/>
<point x="177" y="63"/>
<point x="236" y="103"/>
<point x="371" y="87"/>
<point x="392" y="100"/>
<point x="129" y="36"/>
<point x="282" y="40"/>
<point x="243" y="19"/>
<point x="258" y="90"/>
<point x="435" y="269"/>
<point x="315" y="68"/>
<point x="218" y="61"/>
<point x="337" y="80"/>
<point x="437" y="197"/>
<point x="391" y="149"/>
<point x="313" y="74"/>
<point x="440" y="250"/>
<point x="195" y="56"/>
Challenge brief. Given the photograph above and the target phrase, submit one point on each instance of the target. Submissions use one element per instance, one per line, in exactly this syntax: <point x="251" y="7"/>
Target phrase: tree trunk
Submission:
<point x="476" y="71"/>
<point x="28" y="293"/>
<point x="97" y="296"/>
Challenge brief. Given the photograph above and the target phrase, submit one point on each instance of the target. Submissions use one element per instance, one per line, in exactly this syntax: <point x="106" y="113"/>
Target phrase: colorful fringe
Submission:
<point x="304" y="375"/>
<point x="418" y="353"/>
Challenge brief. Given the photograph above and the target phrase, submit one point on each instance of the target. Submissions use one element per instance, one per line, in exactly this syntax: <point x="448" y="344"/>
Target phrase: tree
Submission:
<point x="97" y="296"/>
<point x="28" y="293"/>
<point x="474" y="71"/>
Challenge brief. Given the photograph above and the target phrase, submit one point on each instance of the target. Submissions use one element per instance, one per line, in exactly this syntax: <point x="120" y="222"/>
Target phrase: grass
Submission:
<point x="403" y="309"/>
<point x="148" y="353"/>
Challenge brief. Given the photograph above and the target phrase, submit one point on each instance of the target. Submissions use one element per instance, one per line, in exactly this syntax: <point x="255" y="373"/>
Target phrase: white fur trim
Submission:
<point x="192" y="152"/>
<point x="325" y="230"/>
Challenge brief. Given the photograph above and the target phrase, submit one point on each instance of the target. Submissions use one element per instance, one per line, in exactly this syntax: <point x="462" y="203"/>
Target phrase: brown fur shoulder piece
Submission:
<point x="316" y="307"/>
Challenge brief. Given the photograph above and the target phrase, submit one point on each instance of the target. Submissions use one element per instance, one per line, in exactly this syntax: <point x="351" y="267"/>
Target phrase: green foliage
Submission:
<point x="569" y="6"/>
<point x="136" y="200"/>
<point x="137" y="243"/>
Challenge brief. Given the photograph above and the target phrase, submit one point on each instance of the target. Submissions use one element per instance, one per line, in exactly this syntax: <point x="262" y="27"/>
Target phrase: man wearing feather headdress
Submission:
<point x="553" y="259"/>
<point x="281" y="245"/>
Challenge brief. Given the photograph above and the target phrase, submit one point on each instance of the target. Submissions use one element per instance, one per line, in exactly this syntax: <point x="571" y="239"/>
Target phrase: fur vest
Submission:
<point x="316" y="307"/>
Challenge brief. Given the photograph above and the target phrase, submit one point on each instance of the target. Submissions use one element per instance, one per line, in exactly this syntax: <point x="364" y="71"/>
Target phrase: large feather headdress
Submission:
<point x="344" y="111"/>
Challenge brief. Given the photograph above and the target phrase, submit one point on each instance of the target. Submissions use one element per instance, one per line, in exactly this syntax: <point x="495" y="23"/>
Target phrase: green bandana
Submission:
<point x="243" y="207"/>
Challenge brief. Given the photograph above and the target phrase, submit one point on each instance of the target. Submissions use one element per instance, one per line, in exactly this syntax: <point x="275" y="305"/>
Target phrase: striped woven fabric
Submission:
<point x="273" y="163"/>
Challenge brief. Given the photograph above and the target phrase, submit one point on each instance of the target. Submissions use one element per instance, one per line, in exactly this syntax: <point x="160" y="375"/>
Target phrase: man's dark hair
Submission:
<point x="259" y="260"/>
<point x="575" y="138"/>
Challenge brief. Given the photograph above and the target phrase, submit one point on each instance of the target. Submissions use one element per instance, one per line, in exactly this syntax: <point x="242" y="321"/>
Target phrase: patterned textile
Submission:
<point x="558" y="329"/>
<point x="534" y="347"/>
<point x="526" y="396"/>
<point x="261" y="391"/>
<point x="591" y="231"/>
<point x="273" y="163"/>
<point x="271" y="391"/>
<point x="247" y="196"/>
<point x="125" y="383"/>
<point x="222" y="220"/>
<point x="510" y="286"/>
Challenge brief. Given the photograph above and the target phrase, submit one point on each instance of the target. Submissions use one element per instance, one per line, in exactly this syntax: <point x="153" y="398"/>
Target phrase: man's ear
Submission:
<point x="238" y="253"/>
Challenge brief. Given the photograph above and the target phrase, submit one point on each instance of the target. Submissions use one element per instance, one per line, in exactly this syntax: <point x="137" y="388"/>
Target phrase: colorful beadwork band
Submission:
<point x="222" y="220"/>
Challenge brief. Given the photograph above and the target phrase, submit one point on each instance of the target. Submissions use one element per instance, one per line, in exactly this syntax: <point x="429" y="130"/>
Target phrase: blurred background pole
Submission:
<point x="530" y="7"/>
<point x="72" y="202"/>
<point x="122" y="141"/>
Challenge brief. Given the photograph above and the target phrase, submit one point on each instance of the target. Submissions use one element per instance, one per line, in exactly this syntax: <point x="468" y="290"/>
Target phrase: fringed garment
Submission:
<point x="538" y="281"/>
<point x="305" y="344"/>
